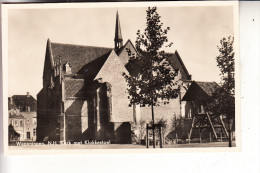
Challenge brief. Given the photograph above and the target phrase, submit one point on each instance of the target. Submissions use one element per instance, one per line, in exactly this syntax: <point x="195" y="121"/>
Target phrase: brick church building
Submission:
<point x="84" y="94"/>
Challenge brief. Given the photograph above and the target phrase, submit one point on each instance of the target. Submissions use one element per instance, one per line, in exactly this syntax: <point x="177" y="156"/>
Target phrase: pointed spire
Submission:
<point x="118" y="35"/>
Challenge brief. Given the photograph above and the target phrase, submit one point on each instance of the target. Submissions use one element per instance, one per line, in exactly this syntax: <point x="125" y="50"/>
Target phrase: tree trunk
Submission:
<point x="160" y="134"/>
<point x="153" y="127"/>
<point x="229" y="134"/>
<point x="147" y="136"/>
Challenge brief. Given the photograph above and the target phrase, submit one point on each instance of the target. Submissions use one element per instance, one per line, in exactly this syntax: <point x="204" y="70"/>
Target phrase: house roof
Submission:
<point x="79" y="56"/>
<point x="29" y="114"/>
<point x="17" y="115"/>
<point x="200" y="91"/>
<point x="21" y="101"/>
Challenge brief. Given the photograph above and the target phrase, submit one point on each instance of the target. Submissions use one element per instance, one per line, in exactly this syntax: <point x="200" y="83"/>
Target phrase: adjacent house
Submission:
<point x="22" y="116"/>
<point x="84" y="94"/>
<point x="16" y="122"/>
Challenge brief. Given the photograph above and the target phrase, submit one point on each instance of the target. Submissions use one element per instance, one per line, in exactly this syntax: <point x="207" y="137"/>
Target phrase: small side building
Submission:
<point x="26" y="113"/>
<point x="204" y="123"/>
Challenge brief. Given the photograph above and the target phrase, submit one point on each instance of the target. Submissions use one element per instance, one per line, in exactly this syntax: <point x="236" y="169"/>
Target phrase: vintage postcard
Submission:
<point x="121" y="77"/>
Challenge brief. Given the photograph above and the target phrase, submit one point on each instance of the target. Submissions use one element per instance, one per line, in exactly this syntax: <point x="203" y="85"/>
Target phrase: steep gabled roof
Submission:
<point x="88" y="60"/>
<point x="173" y="58"/>
<point x="176" y="62"/>
<point x="78" y="56"/>
<point x="200" y="91"/>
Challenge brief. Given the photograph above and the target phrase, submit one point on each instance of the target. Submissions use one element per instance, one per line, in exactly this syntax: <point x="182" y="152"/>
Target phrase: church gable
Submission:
<point x="113" y="65"/>
<point x="123" y="53"/>
<point x="112" y="73"/>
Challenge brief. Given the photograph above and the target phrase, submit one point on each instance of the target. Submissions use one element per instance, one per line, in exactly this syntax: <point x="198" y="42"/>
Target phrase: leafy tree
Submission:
<point x="152" y="80"/>
<point x="224" y="97"/>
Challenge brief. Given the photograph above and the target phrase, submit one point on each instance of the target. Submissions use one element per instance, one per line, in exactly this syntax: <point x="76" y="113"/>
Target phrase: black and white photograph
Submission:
<point x="150" y="76"/>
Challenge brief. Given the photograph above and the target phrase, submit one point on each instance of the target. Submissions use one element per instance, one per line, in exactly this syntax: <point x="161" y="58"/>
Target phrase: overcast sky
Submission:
<point x="195" y="33"/>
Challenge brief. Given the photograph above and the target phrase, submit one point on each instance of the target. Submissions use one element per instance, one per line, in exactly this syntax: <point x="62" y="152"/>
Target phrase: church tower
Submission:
<point x="118" y="36"/>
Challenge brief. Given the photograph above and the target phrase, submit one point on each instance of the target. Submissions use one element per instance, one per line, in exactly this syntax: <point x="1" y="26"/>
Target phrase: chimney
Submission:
<point x="11" y="100"/>
<point x="27" y="94"/>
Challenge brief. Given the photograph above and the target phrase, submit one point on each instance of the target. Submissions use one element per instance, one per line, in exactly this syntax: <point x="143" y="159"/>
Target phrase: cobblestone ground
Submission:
<point x="118" y="146"/>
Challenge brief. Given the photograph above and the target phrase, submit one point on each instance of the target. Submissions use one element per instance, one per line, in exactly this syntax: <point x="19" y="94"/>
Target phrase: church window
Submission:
<point x="21" y="123"/>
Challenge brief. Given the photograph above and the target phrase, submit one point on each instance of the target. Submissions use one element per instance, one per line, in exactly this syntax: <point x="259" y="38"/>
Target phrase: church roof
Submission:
<point x="173" y="58"/>
<point x="79" y="56"/>
<point x="88" y="60"/>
